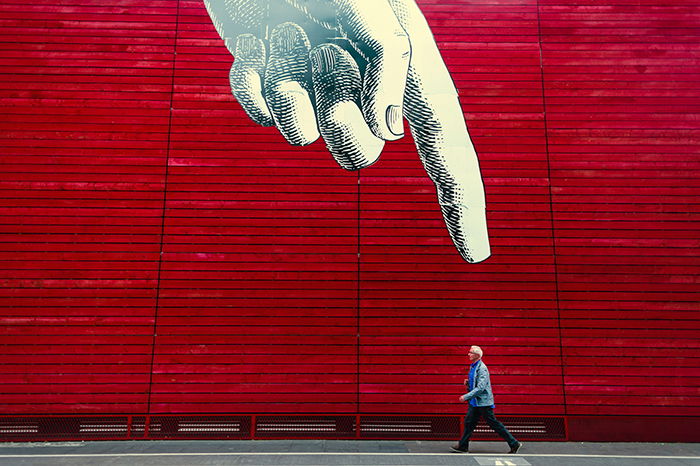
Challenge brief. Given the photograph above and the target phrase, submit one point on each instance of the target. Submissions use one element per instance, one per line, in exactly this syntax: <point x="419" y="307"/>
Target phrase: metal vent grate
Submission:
<point x="138" y="427"/>
<point x="409" y="427"/>
<point x="417" y="427"/>
<point x="63" y="427"/>
<point x="199" y="427"/>
<point x="303" y="426"/>
<point x="533" y="428"/>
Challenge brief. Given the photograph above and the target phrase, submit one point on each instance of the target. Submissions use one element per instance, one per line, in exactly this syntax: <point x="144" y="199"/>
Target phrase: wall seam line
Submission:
<point x="357" y="338"/>
<point x="551" y="204"/>
<point x="163" y="215"/>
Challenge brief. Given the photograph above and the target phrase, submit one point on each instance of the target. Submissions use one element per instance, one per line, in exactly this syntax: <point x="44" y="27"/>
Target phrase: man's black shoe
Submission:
<point x="514" y="449"/>
<point x="456" y="449"/>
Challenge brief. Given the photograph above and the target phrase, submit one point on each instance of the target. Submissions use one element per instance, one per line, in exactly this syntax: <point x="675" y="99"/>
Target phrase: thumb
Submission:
<point x="374" y="30"/>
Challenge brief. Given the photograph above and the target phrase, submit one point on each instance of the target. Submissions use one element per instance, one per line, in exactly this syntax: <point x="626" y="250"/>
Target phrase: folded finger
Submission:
<point x="232" y="18"/>
<point x="337" y="88"/>
<point x="287" y="85"/>
<point x="246" y="78"/>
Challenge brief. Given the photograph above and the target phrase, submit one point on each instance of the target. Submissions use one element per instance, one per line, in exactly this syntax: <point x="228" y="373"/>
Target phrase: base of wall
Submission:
<point x="152" y="427"/>
<point x="633" y="429"/>
<point x="343" y="426"/>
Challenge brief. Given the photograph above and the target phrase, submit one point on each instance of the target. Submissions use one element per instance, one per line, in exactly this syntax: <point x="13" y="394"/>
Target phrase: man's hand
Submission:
<point x="350" y="70"/>
<point x="462" y="399"/>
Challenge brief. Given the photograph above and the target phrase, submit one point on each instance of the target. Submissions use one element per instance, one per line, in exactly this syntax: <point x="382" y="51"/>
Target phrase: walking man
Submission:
<point x="480" y="398"/>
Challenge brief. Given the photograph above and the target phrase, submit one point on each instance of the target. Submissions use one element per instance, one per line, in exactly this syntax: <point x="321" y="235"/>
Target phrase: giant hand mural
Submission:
<point x="351" y="71"/>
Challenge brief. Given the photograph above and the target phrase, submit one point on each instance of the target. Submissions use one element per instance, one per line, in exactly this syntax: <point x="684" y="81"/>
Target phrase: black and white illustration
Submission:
<point x="350" y="71"/>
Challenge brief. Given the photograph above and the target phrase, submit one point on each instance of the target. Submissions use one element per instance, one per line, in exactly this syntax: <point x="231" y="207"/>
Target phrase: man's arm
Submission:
<point x="480" y="383"/>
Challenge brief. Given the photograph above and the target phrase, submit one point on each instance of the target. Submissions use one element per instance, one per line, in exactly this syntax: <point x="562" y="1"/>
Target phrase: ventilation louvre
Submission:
<point x="225" y="427"/>
<point x="47" y="428"/>
<point x="531" y="428"/>
<point x="409" y="427"/>
<point x="74" y="428"/>
<point x="305" y="426"/>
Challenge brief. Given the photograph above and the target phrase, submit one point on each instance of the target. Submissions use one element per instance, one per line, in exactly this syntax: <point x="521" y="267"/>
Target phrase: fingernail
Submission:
<point x="288" y="37"/>
<point x="247" y="46"/>
<point x="322" y="59"/>
<point x="394" y="119"/>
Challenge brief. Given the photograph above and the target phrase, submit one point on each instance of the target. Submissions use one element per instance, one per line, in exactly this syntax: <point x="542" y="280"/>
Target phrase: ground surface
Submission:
<point x="342" y="453"/>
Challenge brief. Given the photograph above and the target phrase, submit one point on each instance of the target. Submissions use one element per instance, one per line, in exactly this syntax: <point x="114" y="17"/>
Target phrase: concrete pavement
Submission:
<point x="342" y="453"/>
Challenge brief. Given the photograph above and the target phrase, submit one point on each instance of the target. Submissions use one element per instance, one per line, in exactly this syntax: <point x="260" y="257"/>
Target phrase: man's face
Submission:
<point x="472" y="356"/>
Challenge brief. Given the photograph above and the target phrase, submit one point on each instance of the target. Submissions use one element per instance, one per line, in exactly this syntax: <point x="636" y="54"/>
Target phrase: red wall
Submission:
<point x="160" y="254"/>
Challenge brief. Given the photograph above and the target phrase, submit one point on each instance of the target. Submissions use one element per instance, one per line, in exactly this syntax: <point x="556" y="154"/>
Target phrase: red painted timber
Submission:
<point x="159" y="253"/>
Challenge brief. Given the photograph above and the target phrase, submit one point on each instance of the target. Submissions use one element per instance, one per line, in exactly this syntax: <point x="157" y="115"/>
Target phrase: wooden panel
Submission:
<point x="85" y="97"/>
<point x="259" y="251"/>
<point x="621" y="90"/>
<point x="159" y="253"/>
<point x="415" y="287"/>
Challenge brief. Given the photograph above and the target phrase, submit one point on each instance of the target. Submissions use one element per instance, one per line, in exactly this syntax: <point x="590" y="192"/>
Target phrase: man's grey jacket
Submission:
<point x="482" y="394"/>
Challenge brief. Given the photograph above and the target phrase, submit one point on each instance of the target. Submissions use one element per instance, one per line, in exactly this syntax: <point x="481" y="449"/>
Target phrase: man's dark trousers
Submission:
<point x="472" y="418"/>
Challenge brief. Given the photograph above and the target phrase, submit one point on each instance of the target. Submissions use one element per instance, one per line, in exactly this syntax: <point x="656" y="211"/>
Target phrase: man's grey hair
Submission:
<point x="477" y="350"/>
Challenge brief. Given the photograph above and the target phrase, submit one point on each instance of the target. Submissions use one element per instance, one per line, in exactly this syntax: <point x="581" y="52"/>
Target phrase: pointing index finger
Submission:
<point x="440" y="132"/>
